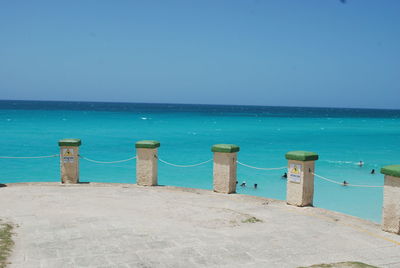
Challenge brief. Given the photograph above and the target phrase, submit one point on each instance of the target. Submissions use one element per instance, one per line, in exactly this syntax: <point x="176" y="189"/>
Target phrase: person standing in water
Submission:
<point x="361" y="163"/>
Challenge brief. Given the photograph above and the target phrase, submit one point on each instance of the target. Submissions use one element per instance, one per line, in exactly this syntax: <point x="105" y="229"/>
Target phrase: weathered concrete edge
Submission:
<point x="329" y="214"/>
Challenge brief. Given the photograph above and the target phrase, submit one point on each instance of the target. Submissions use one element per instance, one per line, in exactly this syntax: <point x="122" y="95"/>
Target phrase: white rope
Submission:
<point x="29" y="157"/>
<point x="184" y="166"/>
<point x="259" y="167"/>
<point x="347" y="184"/>
<point x="107" y="162"/>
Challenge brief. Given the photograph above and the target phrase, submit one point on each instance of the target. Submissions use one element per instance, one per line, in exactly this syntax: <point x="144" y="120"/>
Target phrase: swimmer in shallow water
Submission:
<point x="284" y="176"/>
<point x="255" y="185"/>
<point x="361" y="163"/>
<point x="373" y="171"/>
<point x="345" y="183"/>
<point x="243" y="184"/>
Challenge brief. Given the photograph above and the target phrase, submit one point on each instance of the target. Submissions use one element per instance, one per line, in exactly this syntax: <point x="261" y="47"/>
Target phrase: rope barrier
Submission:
<point x="28" y="157"/>
<point x="107" y="162"/>
<point x="348" y="184"/>
<point x="184" y="166"/>
<point x="278" y="168"/>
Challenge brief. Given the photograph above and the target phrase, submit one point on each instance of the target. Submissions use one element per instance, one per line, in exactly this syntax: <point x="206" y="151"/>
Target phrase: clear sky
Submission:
<point x="323" y="53"/>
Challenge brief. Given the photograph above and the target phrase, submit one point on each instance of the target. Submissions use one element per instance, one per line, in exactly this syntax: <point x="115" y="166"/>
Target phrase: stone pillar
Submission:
<point x="300" y="178"/>
<point x="391" y="199"/>
<point x="146" y="163"/>
<point x="225" y="157"/>
<point x="69" y="160"/>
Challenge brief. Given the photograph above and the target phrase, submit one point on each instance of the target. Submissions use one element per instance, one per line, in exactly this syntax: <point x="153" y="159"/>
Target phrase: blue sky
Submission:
<point x="268" y="52"/>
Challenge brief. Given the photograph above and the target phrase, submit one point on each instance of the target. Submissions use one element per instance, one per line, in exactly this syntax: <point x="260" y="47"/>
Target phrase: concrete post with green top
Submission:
<point x="146" y="162"/>
<point x="69" y="160"/>
<point x="391" y="199"/>
<point x="300" y="178"/>
<point x="225" y="164"/>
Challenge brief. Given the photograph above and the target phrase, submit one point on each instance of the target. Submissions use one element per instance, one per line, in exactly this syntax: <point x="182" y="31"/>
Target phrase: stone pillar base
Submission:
<point x="300" y="178"/>
<point x="225" y="165"/>
<point x="69" y="160"/>
<point x="147" y="163"/>
<point x="391" y="199"/>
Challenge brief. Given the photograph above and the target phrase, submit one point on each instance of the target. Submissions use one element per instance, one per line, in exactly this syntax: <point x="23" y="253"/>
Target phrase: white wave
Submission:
<point x="341" y="162"/>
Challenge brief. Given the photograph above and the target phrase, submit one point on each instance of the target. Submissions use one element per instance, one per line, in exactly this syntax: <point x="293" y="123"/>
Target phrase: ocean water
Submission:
<point x="342" y="137"/>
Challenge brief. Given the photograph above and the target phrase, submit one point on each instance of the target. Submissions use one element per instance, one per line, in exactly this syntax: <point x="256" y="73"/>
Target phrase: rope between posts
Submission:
<point x="184" y="166"/>
<point x="29" y="157"/>
<point x="107" y="162"/>
<point x="278" y="168"/>
<point x="348" y="184"/>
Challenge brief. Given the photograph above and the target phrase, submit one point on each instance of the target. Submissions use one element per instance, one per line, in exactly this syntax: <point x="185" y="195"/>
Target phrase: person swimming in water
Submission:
<point x="345" y="183"/>
<point x="373" y="171"/>
<point x="284" y="176"/>
<point x="361" y="163"/>
<point x="243" y="184"/>
<point x="255" y="185"/>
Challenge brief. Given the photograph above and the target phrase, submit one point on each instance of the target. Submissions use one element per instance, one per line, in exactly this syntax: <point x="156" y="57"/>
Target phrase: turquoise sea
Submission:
<point x="342" y="137"/>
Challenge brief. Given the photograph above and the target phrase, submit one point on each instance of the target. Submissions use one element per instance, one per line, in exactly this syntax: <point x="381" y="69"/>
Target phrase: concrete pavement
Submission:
<point x="122" y="225"/>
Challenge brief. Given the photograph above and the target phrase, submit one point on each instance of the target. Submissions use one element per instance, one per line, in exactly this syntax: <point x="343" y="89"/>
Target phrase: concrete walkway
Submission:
<point x="116" y="225"/>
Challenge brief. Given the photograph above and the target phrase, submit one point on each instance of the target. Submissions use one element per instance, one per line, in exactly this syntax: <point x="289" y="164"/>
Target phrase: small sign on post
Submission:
<point x="68" y="155"/>
<point x="295" y="173"/>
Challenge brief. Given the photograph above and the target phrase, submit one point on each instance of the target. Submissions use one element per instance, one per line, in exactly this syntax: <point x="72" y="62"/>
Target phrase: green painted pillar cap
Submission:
<point x="147" y="144"/>
<point x="69" y="142"/>
<point x="393" y="170"/>
<point x="225" y="148"/>
<point x="301" y="156"/>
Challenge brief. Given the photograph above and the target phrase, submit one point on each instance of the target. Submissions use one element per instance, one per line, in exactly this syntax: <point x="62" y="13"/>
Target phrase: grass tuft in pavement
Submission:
<point x="6" y="242"/>
<point x="251" y="220"/>
<point x="348" y="264"/>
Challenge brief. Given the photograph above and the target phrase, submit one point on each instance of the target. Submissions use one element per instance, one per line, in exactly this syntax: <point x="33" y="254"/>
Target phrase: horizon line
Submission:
<point x="203" y="104"/>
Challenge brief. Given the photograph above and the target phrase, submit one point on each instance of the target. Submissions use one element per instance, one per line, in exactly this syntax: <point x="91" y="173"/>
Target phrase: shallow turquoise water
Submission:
<point x="341" y="137"/>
